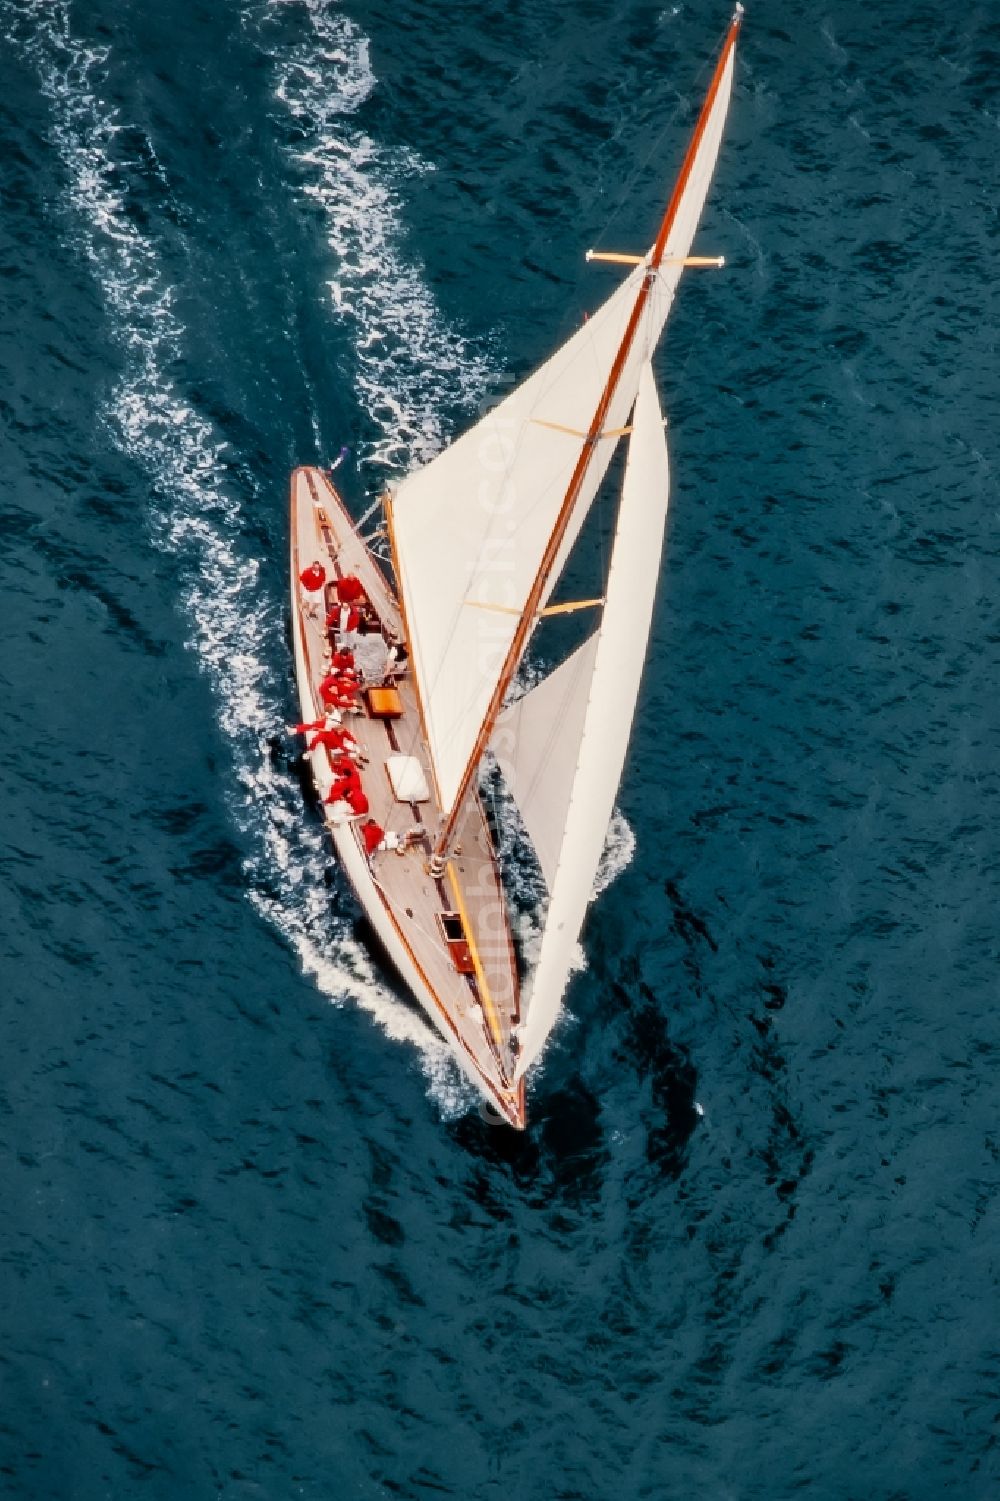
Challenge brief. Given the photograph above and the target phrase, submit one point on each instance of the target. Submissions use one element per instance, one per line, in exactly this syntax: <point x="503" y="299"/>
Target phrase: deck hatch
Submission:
<point x="453" y="930"/>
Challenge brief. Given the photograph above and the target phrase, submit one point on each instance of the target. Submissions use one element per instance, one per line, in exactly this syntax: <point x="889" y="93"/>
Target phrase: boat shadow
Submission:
<point x="560" y="1159"/>
<point x="566" y="1156"/>
<point x="667" y="1080"/>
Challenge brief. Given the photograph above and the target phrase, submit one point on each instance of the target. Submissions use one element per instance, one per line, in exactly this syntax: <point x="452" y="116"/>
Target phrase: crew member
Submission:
<point x="353" y="805"/>
<point x="395" y="661"/>
<point x="336" y="738"/>
<point x="314" y="577"/>
<point x="342" y="765"/>
<point x="377" y="841"/>
<point x="349" y="589"/>
<point x="339" y="692"/>
<point x="343" y="618"/>
<point x="346" y="780"/>
<point x="373" y="835"/>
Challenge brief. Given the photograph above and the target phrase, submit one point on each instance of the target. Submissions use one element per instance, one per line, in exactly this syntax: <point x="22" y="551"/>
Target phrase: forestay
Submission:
<point x="471" y="528"/>
<point x="618" y="654"/>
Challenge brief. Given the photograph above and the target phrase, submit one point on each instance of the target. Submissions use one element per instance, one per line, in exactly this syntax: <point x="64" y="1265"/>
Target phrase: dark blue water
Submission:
<point x="256" y="1240"/>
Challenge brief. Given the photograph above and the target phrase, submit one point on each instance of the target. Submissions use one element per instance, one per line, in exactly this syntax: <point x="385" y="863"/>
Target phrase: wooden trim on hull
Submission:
<point x="511" y="1104"/>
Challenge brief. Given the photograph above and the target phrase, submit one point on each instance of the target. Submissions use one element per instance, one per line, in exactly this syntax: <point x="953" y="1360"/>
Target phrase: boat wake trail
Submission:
<point x="411" y="366"/>
<point x="197" y="516"/>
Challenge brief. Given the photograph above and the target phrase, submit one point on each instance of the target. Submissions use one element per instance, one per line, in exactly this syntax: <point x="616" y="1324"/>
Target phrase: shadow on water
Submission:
<point x="559" y="1160"/>
<point x="665" y="1071"/>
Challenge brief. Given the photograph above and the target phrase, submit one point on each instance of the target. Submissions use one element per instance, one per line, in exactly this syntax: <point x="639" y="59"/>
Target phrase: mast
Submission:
<point x="527" y="620"/>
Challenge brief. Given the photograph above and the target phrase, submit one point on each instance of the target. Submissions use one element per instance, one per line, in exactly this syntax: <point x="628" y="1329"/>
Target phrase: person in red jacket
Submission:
<point x="343" y="766"/>
<point x="353" y="805"/>
<point x="314" y="577"/>
<point x="339" y="692"/>
<point x="349" y="589"/>
<point x="328" y="722"/>
<point x="377" y="841"/>
<point x="373" y="834"/>
<point x="343" y="618"/>
<point x="342" y="660"/>
<point x="335" y="739"/>
<point x="346" y="780"/>
<point x="358" y="802"/>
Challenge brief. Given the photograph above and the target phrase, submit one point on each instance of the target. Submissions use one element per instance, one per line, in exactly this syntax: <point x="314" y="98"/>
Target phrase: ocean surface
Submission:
<point x="256" y="1239"/>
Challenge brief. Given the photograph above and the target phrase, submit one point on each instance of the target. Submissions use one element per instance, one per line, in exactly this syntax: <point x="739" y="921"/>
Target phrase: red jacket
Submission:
<point x="313" y="577"/>
<point x="340" y="692"/>
<point x="347" y="786"/>
<point x="343" y="618"/>
<point x="343" y="766"/>
<point x="373" y="834"/>
<point x="349" y="589"/>
<point x="332" y="739"/>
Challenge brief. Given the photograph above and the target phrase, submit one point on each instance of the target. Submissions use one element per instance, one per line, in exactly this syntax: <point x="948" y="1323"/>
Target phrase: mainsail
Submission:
<point x="604" y="676"/>
<point x="481" y="534"/>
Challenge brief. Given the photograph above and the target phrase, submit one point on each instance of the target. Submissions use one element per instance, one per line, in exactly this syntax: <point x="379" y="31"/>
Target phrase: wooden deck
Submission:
<point x="475" y="1001"/>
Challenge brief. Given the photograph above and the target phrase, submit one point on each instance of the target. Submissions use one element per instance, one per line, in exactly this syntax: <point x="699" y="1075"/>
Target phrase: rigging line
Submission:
<point x="395" y="907"/>
<point x="498" y="855"/>
<point x="376" y="503"/>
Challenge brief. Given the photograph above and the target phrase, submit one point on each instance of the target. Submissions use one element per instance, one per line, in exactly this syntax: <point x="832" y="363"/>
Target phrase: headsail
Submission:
<point x="481" y="534"/>
<point x="536" y="741"/>
<point x="618" y="656"/>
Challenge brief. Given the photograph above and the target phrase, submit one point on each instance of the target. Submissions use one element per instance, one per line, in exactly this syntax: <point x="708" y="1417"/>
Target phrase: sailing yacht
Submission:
<point x="478" y="540"/>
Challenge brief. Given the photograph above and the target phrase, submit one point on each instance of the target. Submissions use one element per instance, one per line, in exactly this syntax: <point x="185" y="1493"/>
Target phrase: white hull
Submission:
<point x="474" y="1012"/>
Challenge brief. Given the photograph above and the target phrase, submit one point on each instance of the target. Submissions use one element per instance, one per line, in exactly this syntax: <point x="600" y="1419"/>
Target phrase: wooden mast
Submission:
<point x="590" y="441"/>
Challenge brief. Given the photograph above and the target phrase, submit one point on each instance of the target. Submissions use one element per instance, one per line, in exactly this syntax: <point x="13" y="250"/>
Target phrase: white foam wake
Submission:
<point x="410" y="364"/>
<point x="197" y="518"/>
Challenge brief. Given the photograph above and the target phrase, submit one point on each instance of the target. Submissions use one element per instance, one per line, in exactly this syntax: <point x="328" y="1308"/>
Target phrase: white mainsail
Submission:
<point x="617" y="655"/>
<point x="470" y="529"/>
